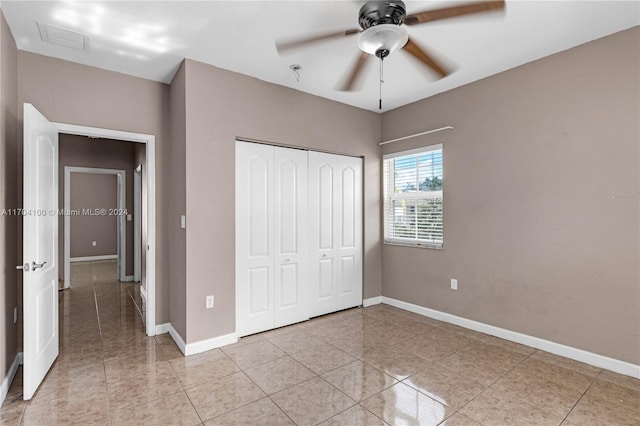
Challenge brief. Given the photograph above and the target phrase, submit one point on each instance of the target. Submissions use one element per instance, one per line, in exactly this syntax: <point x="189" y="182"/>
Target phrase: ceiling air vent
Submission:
<point x="62" y="37"/>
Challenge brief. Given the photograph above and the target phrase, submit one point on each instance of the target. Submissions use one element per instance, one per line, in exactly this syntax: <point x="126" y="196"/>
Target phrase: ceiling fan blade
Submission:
<point x="425" y="58"/>
<point x="292" y="44"/>
<point x="452" y="12"/>
<point x="355" y="73"/>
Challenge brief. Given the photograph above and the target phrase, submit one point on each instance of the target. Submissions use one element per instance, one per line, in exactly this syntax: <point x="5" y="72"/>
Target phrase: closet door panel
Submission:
<point x="254" y="238"/>
<point x="258" y="291"/>
<point x="288" y="284"/>
<point x="291" y="258"/>
<point x="325" y="279"/>
<point x="335" y="203"/>
<point x="258" y="199"/>
<point x="347" y="281"/>
<point x="322" y="188"/>
<point x="348" y="210"/>
<point x="325" y="191"/>
<point x="349" y="232"/>
<point x="287" y="213"/>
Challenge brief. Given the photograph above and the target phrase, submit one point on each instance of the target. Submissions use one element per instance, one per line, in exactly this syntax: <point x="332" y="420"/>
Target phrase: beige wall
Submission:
<point x="176" y="168"/>
<point x="93" y="191"/>
<point x="9" y="170"/>
<point x="71" y="93"/>
<point x="81" y="151"/>
<point x="221" y="106"/>
<point x="541" y="200"/>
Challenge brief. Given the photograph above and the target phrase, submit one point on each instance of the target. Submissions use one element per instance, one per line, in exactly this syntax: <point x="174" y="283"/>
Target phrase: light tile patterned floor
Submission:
<point x="372" y="366"/>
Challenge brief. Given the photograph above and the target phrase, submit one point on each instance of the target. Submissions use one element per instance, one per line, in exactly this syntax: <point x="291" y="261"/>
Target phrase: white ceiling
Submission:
<point x="149" y="39"/>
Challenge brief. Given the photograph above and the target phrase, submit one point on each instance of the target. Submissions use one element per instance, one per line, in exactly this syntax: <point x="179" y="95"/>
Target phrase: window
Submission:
<point x="413" y="197"/>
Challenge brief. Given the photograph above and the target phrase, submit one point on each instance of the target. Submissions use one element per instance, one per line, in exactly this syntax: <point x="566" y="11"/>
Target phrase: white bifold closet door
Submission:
<point x="271" y="242"/>
<point x="335" y="218"/>
<point x="291" y="243"/>
<point x="298" y="235"/>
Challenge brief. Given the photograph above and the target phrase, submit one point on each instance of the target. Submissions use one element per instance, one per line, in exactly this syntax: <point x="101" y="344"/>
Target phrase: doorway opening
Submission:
<point x="93" y="214"/>
<point x="41" y="311"/>
<point x="147" y="233"/>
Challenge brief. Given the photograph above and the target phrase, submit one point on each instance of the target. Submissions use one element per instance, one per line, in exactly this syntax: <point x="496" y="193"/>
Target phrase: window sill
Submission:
<point x="415" y="245"/>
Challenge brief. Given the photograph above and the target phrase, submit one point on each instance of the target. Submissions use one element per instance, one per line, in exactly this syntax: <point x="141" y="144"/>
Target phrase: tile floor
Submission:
<point x="368" y="366"/>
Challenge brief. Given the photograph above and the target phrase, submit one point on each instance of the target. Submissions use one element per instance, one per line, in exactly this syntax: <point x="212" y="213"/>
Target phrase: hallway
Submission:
<point x="101" y="341"/>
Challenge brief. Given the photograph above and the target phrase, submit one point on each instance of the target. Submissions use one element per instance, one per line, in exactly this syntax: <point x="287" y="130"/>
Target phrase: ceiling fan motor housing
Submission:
<point x="382" y="12"/>
<point x="381" y="23"/>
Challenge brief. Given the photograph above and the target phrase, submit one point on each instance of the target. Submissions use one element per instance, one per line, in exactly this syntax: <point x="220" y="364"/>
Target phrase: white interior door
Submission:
<point x="40" y="242"/>
<point x="254" y="238"/>
<point x="291" y="253"/>
<point x="335" y="223"/>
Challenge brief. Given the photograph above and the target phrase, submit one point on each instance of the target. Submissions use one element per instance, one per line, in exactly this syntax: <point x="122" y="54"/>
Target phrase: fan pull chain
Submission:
<point x="381" y="81"/>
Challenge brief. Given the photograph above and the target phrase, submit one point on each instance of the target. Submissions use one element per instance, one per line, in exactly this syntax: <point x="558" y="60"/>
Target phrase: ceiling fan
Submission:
<point x="382" y="32"/>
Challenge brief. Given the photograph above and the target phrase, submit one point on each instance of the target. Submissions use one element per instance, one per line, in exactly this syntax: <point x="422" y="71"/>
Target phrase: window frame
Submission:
<point x="425" y="195"/>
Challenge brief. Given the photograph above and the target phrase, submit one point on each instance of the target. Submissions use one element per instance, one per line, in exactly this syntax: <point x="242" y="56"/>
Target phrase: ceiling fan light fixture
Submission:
<point x="382" y="38"/>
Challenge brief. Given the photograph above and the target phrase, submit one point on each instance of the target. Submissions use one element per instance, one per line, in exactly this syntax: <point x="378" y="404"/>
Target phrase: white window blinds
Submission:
<point x="413" y="197"/>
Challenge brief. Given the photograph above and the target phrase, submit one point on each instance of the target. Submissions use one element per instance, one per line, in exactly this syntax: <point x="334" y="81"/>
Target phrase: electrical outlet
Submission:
<point x="209" y="302"/>
<point x="454" y="284"/>
<point x="15" y="315"/>
<point x="94" y="243"/>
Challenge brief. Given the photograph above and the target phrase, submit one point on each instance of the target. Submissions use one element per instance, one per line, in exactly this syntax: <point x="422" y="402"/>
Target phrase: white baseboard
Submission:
<point x="177" y="338"/>
<point x="162" y="328"/>
<point x="617" y="366"/>
<point x="143" y="293"/>
<point x="6" y="382"/>
<point x="92" y="258"/>
<point x="207" y="345"/>
<point x="372" y="301"/>
<point x="196" y="347"/>
<point x="127" y="279"/>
